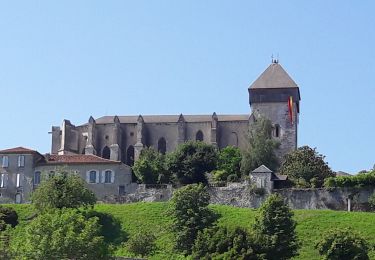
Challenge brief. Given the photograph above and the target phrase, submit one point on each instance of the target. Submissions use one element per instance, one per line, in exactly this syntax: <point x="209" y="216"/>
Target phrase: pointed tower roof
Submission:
<point x="274" y="77"/>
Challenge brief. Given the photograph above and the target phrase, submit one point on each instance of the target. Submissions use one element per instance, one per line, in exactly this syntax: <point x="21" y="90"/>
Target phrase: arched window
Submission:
<point x="37" y="178"/>
<point x="83" y="150"/>
<point x="199" y="136"/>
<point x="130" y="156"/>
<point x="92" y="176"/>
<point x="277" y="131"/>
<point x="162" y="145"/>
<point x="106" y="154"/>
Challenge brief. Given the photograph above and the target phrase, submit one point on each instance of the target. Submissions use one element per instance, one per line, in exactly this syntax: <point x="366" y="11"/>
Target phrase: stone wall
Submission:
<point x="244" y="195"/>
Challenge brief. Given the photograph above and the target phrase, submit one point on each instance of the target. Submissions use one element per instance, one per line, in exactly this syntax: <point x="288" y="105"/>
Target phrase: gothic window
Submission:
<point x="162" y="145"/>
<point x="106" y="153"/>
<point x="37" y="178"/>
<point x="199" y="136"/>
<point x="233" y="139"/>
<point x="277" y="131"/>
<point x="130" y="156"/>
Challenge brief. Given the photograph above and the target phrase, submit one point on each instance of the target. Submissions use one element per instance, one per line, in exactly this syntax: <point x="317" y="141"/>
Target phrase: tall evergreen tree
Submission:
<point x="261" y="147"/>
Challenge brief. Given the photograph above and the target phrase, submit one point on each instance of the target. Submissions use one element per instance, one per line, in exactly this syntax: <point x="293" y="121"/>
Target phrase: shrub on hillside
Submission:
<point x="142" y="244"/>
<point x="59" y="234"/>
<point x="221" y="243"/>
<point x="357" y="181"/>
<point x="190" y="214"/>
<point x="345" y="244"/>
<point x="229" y="163"/>
<point x="150" y="167"/>
<point x="276" y="226"/>
<point x="305" y="167"/>
<point x="8" y="216"/>
<point x="63" y="190"/>
<point x="191" y="160"/>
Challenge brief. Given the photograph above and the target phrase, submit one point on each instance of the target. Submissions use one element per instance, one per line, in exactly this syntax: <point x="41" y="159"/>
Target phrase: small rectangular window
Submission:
<point x="18" y="181"/>
<point x="37" y="178"/>
<point x="21" y="161"/>
<point x="108" y="177"/>
<point x="5" y="161"/>
<point x="92" y="177"/>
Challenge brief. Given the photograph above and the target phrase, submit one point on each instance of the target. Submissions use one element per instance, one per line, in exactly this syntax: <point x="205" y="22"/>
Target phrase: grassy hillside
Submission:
<point x="151" y="217"/>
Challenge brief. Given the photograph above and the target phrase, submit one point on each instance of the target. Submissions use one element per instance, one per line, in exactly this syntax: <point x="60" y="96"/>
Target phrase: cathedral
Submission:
<point x="274" y="95"/>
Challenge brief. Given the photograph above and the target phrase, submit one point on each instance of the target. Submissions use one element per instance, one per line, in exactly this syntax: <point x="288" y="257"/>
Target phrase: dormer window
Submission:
<point x="5" y="161"/>
<point x="21" y="161"/>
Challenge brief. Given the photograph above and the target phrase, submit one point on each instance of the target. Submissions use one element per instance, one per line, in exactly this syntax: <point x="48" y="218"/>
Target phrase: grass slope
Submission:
<point x="152" y="218"/>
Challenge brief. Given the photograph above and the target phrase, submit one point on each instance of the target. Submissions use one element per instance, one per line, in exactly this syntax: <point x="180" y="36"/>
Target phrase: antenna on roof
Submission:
<point x="275" y="61"/>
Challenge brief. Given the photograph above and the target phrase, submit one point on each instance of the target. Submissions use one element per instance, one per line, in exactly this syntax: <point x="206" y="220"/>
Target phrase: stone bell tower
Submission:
<point x="276" y="96"/>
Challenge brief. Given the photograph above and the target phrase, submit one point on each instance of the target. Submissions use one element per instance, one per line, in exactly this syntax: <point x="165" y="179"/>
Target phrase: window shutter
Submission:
<point x="103" y="177"/>
<point x="112" y="177"/>
<point x="97" y="176"/>
<point x="88" y="176"/>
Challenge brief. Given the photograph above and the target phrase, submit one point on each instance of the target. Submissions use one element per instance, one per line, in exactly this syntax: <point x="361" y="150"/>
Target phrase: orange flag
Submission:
<point x="290" y="106"/>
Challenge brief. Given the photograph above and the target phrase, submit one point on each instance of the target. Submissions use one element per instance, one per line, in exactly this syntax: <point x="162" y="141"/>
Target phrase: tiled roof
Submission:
<point x="274" y="77"/>
<point x="18" y="150"/>
<point x="262" y="169"/>
<point x="77" y="159"/>
<point x="171" y="118"/>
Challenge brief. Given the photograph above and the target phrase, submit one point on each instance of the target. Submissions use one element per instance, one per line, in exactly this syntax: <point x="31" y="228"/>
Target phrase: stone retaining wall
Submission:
<point x="243" y="195"/>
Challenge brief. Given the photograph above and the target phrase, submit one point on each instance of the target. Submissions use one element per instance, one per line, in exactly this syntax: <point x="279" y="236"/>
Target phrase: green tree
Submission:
<point x="222" y="243"/>
<point x="338" y="244"/>
<point x="150" y="167"/>
<point x="229" y="163"/>
<point x="8" y="216"/>
<point x="276" y="225"/>
<point x="191" y="161"/>
<point x="59" y="234"/>
<point x="260" y="147"/>
<point x="63" y="190"/>
<point x="305" y="167"/>
<point x="142" y="244"/>
<point x="190" y="214"/>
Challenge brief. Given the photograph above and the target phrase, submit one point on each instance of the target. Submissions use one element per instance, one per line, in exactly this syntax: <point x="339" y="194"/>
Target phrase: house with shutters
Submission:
<point x="22" y="170"/>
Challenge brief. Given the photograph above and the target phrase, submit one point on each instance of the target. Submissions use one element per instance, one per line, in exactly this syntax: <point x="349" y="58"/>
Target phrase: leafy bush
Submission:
<point x="221" y="243"/>
<point x="305" y="167"/>
<point x="371" y="201"/>
<point x="261" y="147"/>
<point x="150" y="167"/>
<point x="359" y="180"/>
<point x="276" y="226"/>
<point x="190" y="214"/>
<point x="63" y="190"/>
<point x="59" y="234"/>
<point x="191" y="161"/>
<point x="344" y="244"/>
<point x="229" y="163"/>
<point x="8" y="216"/>
<point x="141" y="244"/>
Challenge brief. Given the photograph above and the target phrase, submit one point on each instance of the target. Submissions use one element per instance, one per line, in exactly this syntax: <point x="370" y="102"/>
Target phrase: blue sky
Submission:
<point x="72" y="59"/>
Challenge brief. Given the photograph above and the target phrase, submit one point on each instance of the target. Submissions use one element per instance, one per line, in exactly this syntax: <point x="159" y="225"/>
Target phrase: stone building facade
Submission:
<point x="22" y="170"/>
<point x="121" y="138"/>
